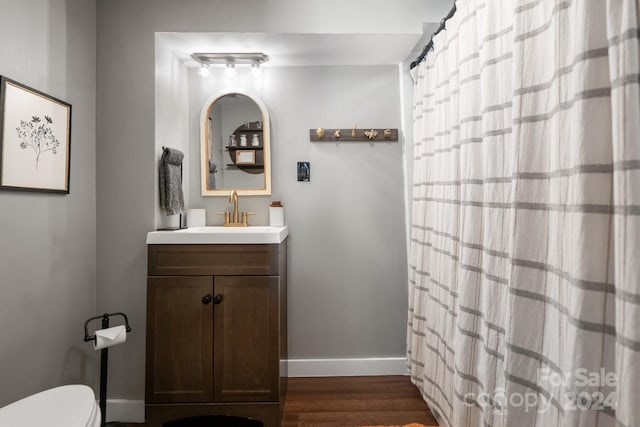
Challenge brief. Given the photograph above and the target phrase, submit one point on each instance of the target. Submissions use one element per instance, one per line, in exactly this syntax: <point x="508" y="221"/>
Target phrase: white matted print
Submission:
<point x="245" y="157"/>
<point x="35" y="138"/>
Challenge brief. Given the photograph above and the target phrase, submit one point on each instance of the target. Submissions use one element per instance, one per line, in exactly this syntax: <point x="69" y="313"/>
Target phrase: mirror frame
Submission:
<point x="204" y="139"/>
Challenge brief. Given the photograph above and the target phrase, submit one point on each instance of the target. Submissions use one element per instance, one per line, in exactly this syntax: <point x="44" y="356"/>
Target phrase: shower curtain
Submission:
<point x="524" y="293"/>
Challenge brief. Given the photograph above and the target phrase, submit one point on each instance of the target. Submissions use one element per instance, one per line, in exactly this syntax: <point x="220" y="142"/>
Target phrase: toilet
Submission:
<point x="66" y="406"/>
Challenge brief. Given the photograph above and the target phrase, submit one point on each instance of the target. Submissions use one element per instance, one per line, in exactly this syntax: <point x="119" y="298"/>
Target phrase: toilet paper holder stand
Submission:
<point x="104" y="360"/>
<point x="105" y="324"/>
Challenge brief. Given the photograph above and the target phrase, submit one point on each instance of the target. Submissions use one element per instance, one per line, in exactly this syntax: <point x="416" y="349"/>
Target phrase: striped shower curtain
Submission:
<point x="524" y="293"/>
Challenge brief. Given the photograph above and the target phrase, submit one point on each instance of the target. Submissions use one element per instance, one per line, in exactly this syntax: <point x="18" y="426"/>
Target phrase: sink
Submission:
<point x="219" y="235"/>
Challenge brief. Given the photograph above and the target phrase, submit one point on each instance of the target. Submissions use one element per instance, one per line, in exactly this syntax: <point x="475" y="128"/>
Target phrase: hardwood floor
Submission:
<point x="353" y="401"/>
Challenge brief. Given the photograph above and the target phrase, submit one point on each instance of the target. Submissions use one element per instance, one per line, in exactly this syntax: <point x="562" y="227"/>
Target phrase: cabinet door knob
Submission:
<point x="217" y="299"/>
<point x="206" y="299"/>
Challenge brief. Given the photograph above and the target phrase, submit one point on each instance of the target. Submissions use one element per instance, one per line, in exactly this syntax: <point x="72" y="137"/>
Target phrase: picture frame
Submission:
<point x="35" y="139"/>
<point x="245" y="157"/>
<point x="304" y="171"/>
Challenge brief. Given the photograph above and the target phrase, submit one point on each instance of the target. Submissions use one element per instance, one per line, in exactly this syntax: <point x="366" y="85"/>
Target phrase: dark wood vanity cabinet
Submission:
<point x="216" y="332"/>
<point x="179" y="340"/>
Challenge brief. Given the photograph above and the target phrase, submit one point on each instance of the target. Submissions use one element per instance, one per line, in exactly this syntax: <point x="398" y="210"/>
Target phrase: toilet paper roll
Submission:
<point x="110" y="337"/>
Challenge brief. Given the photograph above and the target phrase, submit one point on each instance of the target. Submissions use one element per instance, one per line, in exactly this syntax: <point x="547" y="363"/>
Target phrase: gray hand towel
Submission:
<point x="212" y="177"/>
<point x="171" y="197"/>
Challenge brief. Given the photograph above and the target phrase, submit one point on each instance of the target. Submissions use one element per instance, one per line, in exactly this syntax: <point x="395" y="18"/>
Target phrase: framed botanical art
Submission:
<point x="35" y="139"/>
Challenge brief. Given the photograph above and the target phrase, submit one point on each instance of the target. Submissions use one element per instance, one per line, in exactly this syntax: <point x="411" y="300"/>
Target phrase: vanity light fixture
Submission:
<point x="255" y="59"/>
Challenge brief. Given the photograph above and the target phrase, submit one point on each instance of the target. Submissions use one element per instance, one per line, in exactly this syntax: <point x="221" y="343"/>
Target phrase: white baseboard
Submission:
<point x="126" y="411"/>
<point x="347" y="367"/>
<point x="132" y="411"/>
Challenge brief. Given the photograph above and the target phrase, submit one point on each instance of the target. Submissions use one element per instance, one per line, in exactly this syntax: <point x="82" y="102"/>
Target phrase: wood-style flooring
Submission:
<point x="353" y="401"/>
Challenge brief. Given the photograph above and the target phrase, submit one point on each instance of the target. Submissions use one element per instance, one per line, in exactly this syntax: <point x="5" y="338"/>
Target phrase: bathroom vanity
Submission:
<point x="216" y="324"/>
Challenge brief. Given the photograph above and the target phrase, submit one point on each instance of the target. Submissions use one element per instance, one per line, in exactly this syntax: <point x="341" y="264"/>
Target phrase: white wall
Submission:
<point x="171" y="123"/>
<point x="47" y="243"/>
<point x="126" y="204"/>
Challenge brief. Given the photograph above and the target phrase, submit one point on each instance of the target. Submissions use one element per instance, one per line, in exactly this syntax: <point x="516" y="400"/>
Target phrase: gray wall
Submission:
<point x="347" y="291"/>
<point x="126" y="170"/>
<point x="347" y="261"/>
<point x="47" y="243"/>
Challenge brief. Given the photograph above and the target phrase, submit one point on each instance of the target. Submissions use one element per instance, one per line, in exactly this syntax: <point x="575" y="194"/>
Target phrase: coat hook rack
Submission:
<point x="353" y="134"/>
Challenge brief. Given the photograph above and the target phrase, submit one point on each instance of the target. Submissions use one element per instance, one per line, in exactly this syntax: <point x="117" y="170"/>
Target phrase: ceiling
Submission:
<point x="290" y="50"/>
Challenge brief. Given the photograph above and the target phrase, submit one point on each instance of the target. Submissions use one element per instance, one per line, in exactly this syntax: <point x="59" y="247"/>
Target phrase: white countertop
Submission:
<point x="219" y="235"/>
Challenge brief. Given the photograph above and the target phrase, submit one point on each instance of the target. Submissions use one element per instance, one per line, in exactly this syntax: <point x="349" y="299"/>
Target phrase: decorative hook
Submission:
<point x="337" y="133"/>
<point x="320" y="133"/>
<point x="353" y="132"/>
<point x="371" y="134"/>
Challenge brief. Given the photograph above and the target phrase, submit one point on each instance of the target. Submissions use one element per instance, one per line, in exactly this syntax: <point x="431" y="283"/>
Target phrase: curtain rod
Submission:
<point x="429" y="45"/>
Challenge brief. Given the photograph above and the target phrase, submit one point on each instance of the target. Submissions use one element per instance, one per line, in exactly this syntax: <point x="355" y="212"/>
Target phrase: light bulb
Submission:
<point x="230" y="71"/>
<point x="204" y="70"/>
<point x="256" y="71"/>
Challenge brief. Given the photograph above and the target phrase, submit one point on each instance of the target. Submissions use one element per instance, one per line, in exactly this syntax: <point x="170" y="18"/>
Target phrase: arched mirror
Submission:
<point x="235" y="145"/>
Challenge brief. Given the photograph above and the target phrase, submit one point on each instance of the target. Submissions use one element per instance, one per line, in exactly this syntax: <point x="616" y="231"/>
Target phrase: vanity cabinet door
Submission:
<point x="246" y="339"/>
<point x="179" y="339"/>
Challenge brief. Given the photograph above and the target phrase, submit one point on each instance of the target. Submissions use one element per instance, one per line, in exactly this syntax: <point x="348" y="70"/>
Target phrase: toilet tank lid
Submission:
<point x="69" y="406"/>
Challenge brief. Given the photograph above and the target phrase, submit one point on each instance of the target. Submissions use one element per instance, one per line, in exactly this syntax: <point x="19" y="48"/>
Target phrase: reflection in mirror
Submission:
<point x="235" y="146"/>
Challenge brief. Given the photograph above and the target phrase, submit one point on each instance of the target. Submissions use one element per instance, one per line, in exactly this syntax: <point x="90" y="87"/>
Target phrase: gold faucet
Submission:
<point x="233" y="198"/>
<point x="235" y="218"/>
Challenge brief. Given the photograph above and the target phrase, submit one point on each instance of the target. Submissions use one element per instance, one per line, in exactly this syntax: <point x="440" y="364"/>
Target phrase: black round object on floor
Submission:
<point x="214" y="421"/>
